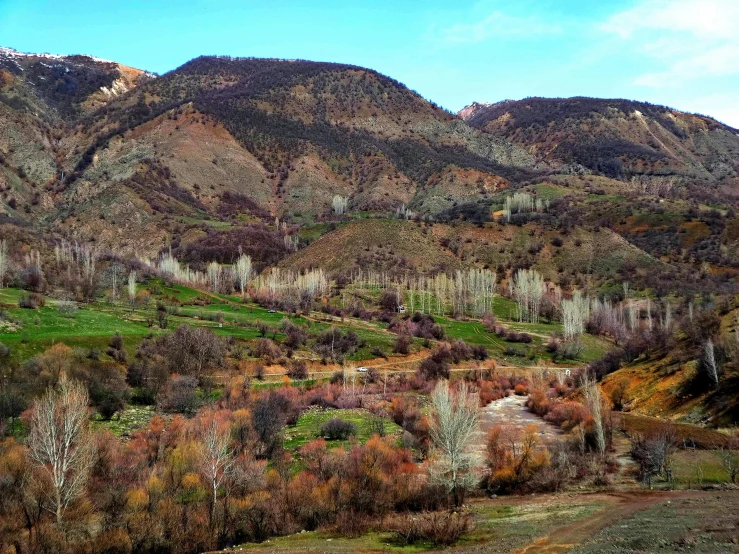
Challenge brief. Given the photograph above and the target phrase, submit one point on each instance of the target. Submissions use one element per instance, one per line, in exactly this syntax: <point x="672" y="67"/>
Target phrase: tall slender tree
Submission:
<point x="455" y="421"/>
<point x="60" y="443"/>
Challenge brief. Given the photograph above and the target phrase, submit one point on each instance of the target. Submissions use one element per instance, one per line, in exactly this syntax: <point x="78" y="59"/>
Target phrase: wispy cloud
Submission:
<point x="691" y="39"/>
<point x="497" y="25"/>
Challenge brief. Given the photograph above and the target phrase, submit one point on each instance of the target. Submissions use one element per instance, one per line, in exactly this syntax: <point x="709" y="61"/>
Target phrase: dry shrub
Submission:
<point x="567" y="415"/>
<point x="113" y="541"/>
<point x="438" y="528"/>
<point x="538" y="403"/>
<point x="351" y="524"/>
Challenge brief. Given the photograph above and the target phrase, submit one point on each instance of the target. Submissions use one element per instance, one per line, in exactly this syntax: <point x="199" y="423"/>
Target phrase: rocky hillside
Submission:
<point x="63" y="87"/>
<point x="206" y="157"/>
<point x="616" y="138"/>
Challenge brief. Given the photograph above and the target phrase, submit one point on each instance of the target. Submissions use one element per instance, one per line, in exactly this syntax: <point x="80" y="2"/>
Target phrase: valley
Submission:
<point x="294" y="306"/>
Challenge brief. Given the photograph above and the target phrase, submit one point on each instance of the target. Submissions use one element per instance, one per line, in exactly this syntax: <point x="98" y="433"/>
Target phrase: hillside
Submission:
<point x="102" y="153"/>
<point x="286" y="135"/>
<point x="616" y="138"/>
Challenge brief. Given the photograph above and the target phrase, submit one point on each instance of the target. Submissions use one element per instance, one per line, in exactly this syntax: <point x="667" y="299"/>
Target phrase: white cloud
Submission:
<point x="497" y="24"/>
<point x="691" y="39"/>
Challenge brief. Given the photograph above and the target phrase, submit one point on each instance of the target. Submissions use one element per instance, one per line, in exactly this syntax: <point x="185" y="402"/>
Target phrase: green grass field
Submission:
<point x="309" y="424"/>
<point x="29" y="332"/>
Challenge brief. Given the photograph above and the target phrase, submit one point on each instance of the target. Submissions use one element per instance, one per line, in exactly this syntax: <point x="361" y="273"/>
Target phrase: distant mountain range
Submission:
<point x="97" y="151"/>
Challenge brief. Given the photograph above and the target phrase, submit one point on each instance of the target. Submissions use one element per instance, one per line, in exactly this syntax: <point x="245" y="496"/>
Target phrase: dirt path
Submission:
<point x="574" y="534"/>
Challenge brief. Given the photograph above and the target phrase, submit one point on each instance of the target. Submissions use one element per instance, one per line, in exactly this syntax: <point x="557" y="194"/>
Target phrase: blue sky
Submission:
<point x="682" y="53"/>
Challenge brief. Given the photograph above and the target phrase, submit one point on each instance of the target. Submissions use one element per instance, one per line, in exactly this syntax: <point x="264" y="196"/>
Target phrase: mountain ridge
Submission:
<point x="220" y="144"/>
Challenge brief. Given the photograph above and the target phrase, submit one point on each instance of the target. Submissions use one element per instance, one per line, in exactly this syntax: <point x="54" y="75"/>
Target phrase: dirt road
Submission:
<point x="624" y="504"/>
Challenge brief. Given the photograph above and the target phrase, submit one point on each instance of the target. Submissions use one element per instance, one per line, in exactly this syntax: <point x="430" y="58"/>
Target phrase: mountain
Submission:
<point x="204" y="159"/>
<point x="616" y="138"/>
<point x="41" y="95"/>
<point x="287" y="136"/>
<point x="66" y="87"/>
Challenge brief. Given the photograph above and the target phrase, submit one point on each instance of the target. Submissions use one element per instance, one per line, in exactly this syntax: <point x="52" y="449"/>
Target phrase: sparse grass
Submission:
<point x="705" y="438"/>
<point x="697" y="467"/>
<point x="497" y="527"/>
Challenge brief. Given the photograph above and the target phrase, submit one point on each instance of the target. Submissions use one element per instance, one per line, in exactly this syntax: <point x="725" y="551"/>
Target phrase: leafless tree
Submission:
<point x="454" y="424"/>
<point x="3" y="261"/>
<point x="730" y="458"/>
<point x="215" y="276"/>
<point x="60" y="443"/>
<point x="575" y="313"/>
<point x="654" y="453"/>
<point x="527" y="287"/>
<point x="594" y="401"/>
<point x="243" y="272"/>
<point x="132" y="289"/>
<point x="218" y="458"/>
<point x="709" y="362"/>
<point x="339" y="204"/>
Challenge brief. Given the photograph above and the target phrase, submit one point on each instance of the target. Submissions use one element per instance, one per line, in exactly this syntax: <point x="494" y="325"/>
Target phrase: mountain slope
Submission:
<point x="289" y="135"/>
<point x="618" y="138"/>
<point x="64" y="87"/>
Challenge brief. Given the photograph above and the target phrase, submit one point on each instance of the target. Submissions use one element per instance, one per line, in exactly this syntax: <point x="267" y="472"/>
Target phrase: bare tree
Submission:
<point x="243" y="271"/>
<point x="527" y="287"/>
<point x="217" y="458"/>
<point x="575" y="313"/>
<point x="339" y="204"/>
<point x="594" y="401"/>
<point x="215" y="274"/>
<point x="654" y="453"/>
<point x="730" y="460"/>
<point x="132" y="289"/>
<point x="60" y="443"/>
<point x="709" y="362"/>
<point x="455" y="422"/>
<point x="3" y="261"/>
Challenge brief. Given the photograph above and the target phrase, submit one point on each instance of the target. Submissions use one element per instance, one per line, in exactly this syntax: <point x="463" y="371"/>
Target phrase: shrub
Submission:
<point x="338" y="429"/>
<point x="179" y="395"/>
<point x="402" y="344"/>
<point x="66" y="308"/>
<point x="460" y="351"/>
<point x="609" y="363"/>
<point x="298" y="369"/>
<point x="567" y="415"/>
<point x="267" y="350"/>
<point x="488" y="321"/>
<point x="479" y="352"/>
<point x="436" y="366"/>
<point x="438" y="528"/>
<point x="333" y="344"/>
<point x="259" y="372"/>
<point x="512" y="336"/>
<point x="295" y="335"/>
<point x="388" y="300"/>
<point x="31" y="301"/>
